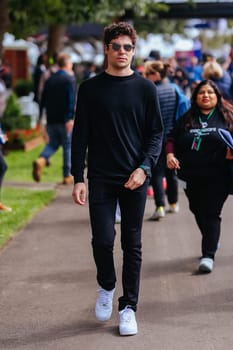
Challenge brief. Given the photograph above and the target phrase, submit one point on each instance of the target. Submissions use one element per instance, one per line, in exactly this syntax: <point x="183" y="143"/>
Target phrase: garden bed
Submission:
<point x="23" y="139"/>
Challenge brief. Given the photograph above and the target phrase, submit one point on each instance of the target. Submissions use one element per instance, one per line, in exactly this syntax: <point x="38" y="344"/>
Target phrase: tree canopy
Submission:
<point x="27" y="17"/>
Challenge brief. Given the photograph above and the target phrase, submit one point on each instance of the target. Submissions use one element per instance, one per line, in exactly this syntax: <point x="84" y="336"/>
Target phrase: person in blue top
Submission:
<point x="194" y="70"/>
<point x="195" y="148"/>
<point x="214" y="71"/>
<point x="156" y="71"/>
<point x="118" y="119"/>
<point x="58" y="100"/>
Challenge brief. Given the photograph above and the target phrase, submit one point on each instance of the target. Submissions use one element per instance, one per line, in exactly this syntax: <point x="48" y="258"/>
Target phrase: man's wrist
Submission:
<point x="146" y="169"/>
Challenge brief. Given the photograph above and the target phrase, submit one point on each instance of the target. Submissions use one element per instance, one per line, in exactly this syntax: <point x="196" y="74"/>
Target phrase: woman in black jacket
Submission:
<point x="196" y="150"/>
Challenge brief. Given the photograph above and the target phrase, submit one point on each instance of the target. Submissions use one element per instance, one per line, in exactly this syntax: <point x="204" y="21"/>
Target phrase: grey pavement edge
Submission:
<point x="48" y="286"/>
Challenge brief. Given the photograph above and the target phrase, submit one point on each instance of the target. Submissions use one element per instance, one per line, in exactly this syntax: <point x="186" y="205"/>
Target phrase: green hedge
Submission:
<point x="23" y="87"/>
<point x="12" y="117"/>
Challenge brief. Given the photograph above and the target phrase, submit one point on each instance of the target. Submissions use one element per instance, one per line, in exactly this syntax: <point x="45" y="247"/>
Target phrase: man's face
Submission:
<point x="120" y="52"/>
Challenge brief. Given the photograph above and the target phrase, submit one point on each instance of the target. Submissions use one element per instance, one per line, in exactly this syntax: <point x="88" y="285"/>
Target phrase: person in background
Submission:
<point x="195" y="148"/>
<point x="3" y="140"/>
<point x="52" y="68"/>
<point x="212" y="70"/>
<point x="40" y="68"/>
<point x="89" y="71"/>
<point x="194" y="70"/>
<point x="118" y="119"/>
<point x="58" y="100"/>
<point x="228" y="65"/>
<point x="154" y="55"/>
<point x="156" y="71"/>
<point x="6" y="74"/>
<point x="180" y="76"/>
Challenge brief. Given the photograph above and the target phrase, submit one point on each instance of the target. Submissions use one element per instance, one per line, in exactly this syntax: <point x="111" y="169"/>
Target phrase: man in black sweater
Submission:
<point x="58" y="100"/>
<point x="118" y="119"/>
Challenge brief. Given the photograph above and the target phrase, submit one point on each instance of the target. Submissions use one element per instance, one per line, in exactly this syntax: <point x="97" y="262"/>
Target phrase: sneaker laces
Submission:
<point x="126" y="314"/>
<point x="105" y="297"/>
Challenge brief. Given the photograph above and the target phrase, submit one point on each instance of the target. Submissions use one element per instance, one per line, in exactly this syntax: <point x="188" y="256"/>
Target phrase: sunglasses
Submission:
<point x="117" y="47"/>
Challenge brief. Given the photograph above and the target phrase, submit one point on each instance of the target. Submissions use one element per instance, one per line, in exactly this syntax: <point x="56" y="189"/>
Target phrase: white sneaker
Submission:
<point x="103" y="307"/>
<point x="117" y="219"/>
<point x="127" y="322"/>
<point x="158" y="214"/>
<point x="206" y="265"/>
<point x="118" y="214"/>
<point x="174" y="208"/>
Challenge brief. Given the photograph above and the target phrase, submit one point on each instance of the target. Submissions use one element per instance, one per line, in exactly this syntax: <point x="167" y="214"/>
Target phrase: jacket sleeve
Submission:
<point x="154" y="130"/>
<point x="71" y="94"/>
<point x="79" y="139"/>
<point x="171" y="139"/>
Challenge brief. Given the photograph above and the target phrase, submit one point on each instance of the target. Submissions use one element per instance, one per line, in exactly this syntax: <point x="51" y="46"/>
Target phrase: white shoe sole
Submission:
<point x="206" y="266"/>
<point x="125" y="333"/>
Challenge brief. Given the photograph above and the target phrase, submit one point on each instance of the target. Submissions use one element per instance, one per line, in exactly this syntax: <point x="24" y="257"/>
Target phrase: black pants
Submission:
<point x="206" y="199"/>
<point x="102" y="205"/>
<point x="159" y="172"/>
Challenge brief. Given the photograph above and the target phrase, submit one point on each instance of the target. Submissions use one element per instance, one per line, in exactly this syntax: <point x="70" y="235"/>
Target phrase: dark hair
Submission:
<point x="114" y="30"/>
<point x="42" y="58"/>
<point x="224" y="106"/>
<point x="199" y="86"/>
<point x="155" y="54"/>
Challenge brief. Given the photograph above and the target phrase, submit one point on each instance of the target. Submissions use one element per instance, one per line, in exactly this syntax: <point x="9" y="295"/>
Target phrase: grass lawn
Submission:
<point x="20" y="166"/>
<point x="25" y="202"/>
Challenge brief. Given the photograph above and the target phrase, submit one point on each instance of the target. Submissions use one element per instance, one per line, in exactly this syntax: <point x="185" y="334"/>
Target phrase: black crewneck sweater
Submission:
<point x="118" y="119"/>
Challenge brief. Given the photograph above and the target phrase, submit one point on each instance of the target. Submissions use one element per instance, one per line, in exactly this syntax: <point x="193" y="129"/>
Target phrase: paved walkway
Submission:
<point x="48" y="288"/>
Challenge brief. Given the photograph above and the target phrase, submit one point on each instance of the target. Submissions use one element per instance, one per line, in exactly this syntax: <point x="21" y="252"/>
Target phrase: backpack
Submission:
<point x="182" y="102"/>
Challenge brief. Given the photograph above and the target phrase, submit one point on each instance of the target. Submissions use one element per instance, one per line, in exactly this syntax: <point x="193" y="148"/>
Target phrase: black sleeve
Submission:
<point x="79" y="139"/>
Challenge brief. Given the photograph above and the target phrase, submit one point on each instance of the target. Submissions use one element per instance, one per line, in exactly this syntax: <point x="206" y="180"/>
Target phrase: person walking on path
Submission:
<point x="118" y="119"/>
<point x="58" y="99"/>
<point x="196" y="149"/>
<point x="157" y="72"/>
<point x="40" y="68"/>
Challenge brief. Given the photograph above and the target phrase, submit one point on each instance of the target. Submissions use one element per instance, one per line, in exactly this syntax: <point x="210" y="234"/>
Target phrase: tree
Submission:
<point x="27" y="17"/>
<point x="4" y="21"/>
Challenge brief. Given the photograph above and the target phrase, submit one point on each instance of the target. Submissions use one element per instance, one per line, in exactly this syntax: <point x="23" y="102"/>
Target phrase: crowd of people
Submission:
<point x="135" y="128"/>
<point x="130" y="149"/>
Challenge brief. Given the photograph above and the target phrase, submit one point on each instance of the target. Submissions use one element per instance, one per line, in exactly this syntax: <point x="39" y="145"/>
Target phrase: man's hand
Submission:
<point x="69" y="126"/>
<point x="44" y="133"/>
<point x="79" y="193"/>
<point x="136" y="179"/>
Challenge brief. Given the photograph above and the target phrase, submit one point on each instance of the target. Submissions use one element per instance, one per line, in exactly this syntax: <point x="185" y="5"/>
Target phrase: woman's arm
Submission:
<point x="172" y="161"/>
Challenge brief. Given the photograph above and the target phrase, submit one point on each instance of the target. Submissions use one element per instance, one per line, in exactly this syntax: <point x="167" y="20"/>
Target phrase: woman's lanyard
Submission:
<point x="198" y="138"/>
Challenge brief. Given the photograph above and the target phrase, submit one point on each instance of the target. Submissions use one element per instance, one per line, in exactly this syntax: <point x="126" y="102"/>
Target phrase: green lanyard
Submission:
<point x="197" y="139"/>
<point x="205" y="124"/>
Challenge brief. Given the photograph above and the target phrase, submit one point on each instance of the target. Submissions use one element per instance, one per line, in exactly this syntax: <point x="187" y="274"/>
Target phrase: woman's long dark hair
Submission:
<point x="225" y="107"/>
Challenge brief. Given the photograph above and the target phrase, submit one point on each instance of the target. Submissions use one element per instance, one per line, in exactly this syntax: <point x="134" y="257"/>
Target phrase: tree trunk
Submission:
<point x="55" y="39"/>
<point x="4" y="22"/>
